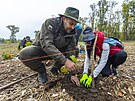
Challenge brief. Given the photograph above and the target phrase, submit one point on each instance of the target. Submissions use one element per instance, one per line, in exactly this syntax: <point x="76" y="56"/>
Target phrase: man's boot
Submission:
<point x="42" y="76"/>
<point x="54" y="71"/>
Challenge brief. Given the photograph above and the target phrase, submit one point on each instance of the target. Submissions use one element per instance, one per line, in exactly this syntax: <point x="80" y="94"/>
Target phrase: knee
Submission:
<point x="122" y="56"/>
<point x="27" y="58"/>
<point x="24" y="54"/>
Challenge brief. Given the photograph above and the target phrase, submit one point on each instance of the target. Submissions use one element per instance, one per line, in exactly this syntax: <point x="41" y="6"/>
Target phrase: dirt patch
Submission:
<point x="113" y="88"/>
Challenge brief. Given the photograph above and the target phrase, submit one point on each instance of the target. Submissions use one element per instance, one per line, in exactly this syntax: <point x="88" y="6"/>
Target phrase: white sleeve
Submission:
<point x="103" y="59"/>
<point x="86" y="63"/>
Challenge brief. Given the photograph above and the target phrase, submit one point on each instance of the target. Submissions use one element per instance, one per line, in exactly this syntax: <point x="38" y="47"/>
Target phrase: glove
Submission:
<point x="73" y="58"/>
<point x="83" y="79"/>
<point x="88" y="82"/>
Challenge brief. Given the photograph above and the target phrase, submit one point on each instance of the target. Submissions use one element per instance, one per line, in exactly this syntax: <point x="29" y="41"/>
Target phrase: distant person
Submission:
<point x="25" y="42"/>
<point x="78" y="29"/>
<point x="56" y="41"/>
<point x="110" y="51"/>
<point x="82" y="49"/>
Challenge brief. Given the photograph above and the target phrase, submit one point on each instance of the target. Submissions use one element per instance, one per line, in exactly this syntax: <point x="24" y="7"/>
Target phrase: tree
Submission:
<point x="131" y="23"/>
<point x="13" y="30"/>
<point x="125" y="15"/>
<point x="103" y="8"/>
<point x="93" y="15"/>
<point x="83" y="21"/>
<point x="111" y="22"/>
<point x="2" y="40"/>
<point x="117" y="24"/>
<point x="128" y="15"/>
<point x="36" y="32"/>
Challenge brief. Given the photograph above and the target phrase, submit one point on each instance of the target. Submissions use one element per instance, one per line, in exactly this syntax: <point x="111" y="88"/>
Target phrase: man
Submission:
<point x="56" y="40"/>
<point x="78" y="29"/>
<point x="25" y="42"/>
<point x="110" y="52"/>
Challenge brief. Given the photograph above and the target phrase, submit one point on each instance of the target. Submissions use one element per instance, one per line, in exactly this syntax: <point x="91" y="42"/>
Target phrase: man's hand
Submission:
<point x="75" y="80"/>
<point x="88" y="82"/>
<point x="70" y="65"/>
<point x="83" y="79"/>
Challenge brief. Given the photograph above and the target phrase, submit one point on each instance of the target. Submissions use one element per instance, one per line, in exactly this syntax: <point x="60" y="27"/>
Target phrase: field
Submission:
<point x="113" y="88"/>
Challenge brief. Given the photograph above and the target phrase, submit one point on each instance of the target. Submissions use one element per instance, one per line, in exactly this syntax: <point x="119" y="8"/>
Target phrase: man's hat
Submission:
<point x="72" y="13"/>
<point x="88" y="34"/>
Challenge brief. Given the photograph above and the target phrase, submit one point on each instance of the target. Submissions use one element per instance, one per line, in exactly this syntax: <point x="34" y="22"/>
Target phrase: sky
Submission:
<point x="29" y="15"/>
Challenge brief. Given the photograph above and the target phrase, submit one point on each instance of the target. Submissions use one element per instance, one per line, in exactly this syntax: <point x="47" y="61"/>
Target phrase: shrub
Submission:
<point x="7" y="55"/>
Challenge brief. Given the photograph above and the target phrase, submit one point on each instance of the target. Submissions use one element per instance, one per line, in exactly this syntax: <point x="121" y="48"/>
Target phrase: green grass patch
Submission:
<point x="81" y="43"/>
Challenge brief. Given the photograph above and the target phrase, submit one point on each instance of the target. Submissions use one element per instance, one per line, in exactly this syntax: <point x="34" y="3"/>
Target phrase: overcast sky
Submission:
<point x="29" y="15"/>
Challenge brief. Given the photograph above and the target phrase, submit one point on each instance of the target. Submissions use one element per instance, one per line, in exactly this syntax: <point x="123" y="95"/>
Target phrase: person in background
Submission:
<point x="25" y="42"/>
<point x="82" y="49"/>
<point x="110" y="51"/>
<point x="56" y="41"/>
<point x="78" y="29"/>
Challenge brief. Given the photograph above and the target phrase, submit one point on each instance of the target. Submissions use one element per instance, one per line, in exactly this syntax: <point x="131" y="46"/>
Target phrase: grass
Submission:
<point x="81" y="43"/>
<point x="8" y="47"/>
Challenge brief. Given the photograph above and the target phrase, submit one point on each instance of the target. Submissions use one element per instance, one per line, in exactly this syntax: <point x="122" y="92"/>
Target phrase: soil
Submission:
<point x="112" y="88"/>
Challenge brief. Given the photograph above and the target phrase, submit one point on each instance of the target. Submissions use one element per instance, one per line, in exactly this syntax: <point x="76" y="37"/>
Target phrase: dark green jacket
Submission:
<point x="54" y="40"/>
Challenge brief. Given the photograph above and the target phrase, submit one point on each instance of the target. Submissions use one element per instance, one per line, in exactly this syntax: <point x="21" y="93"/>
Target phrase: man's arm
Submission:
<point x="71" y="46"/>
<point x="103" y="60"/>
<point x="46" y="41"/>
